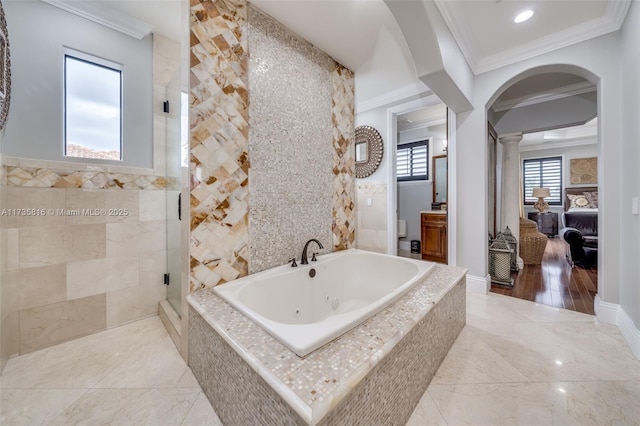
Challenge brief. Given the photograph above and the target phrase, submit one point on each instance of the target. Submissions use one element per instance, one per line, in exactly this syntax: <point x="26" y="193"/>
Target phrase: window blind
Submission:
<point x="412" y="161"/>
<point x="543" y="173"/>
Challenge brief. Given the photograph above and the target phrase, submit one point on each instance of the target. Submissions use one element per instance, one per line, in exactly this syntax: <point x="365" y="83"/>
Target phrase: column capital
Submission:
<point x="505" y="138"/>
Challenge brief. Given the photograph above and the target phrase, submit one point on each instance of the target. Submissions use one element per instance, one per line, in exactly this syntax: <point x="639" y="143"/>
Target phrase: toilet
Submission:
<point x="402" y="228"/>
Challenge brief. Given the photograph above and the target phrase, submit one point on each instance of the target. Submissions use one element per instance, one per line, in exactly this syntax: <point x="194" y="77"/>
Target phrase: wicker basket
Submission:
<point x="532" y="242"/>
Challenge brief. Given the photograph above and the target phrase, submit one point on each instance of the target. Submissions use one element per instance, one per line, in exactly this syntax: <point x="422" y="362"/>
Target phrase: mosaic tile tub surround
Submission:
<point x="271" y="165"/>
<point x="376" y="372"/>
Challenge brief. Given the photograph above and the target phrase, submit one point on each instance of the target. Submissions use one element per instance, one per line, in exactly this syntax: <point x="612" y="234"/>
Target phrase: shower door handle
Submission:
<point x="180" y="206"/>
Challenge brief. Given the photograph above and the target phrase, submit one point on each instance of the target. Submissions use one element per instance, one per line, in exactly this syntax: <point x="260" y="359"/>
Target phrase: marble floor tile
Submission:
<point x="471" y="360"/>
<point x="35" y="406"/>
<point x="140" y="368"/>
<point x="562" y="351"/>
<point x="129" y="375"/>
<point x="201" y="413"/>
<point x="551" y="403"/>
<point x="515" y="363"/>
<point x="83" y="362"/>
<point x="129" y="407"/>
<point x="426" y="413"/>
<point x="496" y="308"/>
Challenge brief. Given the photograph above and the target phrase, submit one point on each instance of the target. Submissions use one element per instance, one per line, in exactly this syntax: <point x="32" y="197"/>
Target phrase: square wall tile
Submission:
<point x="49" y="325"/>
<point x="153" y="266"/>
<point x="41" y="246"/>
<point x="114" y="205"/>
<point x="91" y="277"/>
<point x="13" y="249"/>
<point x="9" y="336"/>
<point x="133" y="303"/>
<point x="39" y="286"/>
<point x="132" y="239"/>
<point x="153" y="205"/>
<point x="44" y="200"/>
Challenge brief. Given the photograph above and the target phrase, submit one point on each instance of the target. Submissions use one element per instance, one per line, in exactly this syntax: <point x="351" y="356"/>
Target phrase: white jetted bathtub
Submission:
<point x="305" y="312"/>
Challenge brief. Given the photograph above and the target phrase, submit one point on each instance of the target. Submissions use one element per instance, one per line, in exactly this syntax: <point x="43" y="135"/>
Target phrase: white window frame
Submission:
<point x="98" y="61"/>
<point x="528" y="198"/>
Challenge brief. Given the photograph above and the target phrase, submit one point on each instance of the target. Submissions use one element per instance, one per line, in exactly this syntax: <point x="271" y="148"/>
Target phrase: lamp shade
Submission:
<point x="541" y="192"/>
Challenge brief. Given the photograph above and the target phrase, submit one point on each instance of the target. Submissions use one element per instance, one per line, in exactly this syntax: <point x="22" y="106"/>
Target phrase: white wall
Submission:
<point x="629" y="161"/>
<point x="471" y="152"/>
<point x="38" y="32"/>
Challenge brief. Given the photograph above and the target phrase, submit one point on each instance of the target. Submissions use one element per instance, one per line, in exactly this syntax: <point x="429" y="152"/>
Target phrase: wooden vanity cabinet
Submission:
<point x="434" y="237"/>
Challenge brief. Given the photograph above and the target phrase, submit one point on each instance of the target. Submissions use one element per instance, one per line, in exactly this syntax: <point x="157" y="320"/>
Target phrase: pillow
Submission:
<point x="577" y="201"/>
<point x="592" y="197"/>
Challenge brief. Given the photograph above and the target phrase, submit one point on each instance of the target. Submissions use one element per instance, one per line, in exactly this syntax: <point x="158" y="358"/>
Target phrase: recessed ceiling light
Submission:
<point x="523" y="16"/>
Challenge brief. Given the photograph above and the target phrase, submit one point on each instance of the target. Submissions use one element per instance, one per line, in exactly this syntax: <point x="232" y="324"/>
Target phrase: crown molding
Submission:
<point x="429" y="122"/>
<point x="617" y="11"/>
<point x="557" y="144"/>
<point x="402" y="94"/>
<point x="106" y="16"/>
<point x="562" y="92"/>
<point x="451" y="13"/>
<point x="570" y="36"/>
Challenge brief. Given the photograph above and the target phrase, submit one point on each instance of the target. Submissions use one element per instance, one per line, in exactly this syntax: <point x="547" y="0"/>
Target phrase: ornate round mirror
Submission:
<point x="369" y="150"/>
<point x="5" y="70"/>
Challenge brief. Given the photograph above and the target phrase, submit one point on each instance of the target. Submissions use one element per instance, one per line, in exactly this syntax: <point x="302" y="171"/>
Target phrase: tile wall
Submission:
<point x="300" y="184"/>
<point x="91" y="259"/>
<point x="219" y="157"/>
<point x="372" y="218"/>
<point x="94" y="254"/>
<point x="289" y="136"/>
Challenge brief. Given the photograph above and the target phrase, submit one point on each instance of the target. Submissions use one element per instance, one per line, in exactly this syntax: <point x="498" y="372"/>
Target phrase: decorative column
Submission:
<point x="510" y="212"/>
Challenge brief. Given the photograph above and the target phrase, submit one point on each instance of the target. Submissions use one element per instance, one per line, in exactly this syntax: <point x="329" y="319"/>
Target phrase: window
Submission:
<point x="92" y="107"/>
<point x="412" y="161"/>
<point x="543" y="173"/>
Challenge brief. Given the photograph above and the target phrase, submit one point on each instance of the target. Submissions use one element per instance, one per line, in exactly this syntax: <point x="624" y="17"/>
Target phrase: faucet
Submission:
<point x="304" y="260"/>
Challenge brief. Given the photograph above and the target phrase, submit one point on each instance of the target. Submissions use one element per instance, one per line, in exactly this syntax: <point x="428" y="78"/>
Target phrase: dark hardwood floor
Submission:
<point x="554" y="282"/>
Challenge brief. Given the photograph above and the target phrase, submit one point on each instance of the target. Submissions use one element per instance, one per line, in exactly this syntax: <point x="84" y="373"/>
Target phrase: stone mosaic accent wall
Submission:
<point x="36" y="177"/>
<point x="299" y="141"/>
<point x="219" y="161"/>
<point x="289" y="144"/>
<point x="342" y="118"/>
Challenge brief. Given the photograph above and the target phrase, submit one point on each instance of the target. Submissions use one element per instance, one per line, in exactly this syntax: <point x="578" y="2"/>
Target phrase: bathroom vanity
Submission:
<point x="434" y="235"/>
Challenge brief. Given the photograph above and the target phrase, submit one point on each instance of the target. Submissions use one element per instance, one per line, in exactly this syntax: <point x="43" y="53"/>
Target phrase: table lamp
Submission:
<point x="540" y="194"/>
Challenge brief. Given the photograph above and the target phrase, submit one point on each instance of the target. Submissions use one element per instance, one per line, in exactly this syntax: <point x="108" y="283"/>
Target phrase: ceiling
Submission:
<point x="489" y="39"/>
<point x="484" y="29"/>
<point x="364" y="36"/>
<point x="431" y="116"/>
<point x="585" y="134"/>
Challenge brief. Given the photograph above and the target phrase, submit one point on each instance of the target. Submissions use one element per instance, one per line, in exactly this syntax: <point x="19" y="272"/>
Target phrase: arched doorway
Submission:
<point x="553" y="111"/>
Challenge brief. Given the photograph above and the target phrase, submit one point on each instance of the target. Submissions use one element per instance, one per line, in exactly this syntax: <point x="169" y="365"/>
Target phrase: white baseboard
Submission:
<point x="629" y="331"/>
<point x="612" y="313"/>
<point x="404" y="245"/>
<point x="478" y="284"/>
<point x="606" y="312"/>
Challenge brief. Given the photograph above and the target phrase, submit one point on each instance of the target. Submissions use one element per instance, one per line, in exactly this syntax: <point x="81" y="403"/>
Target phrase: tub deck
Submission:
<point x="249" y="376"/>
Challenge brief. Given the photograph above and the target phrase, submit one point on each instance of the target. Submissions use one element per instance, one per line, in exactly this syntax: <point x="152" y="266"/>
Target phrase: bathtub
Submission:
<point x="305" y="312"/>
